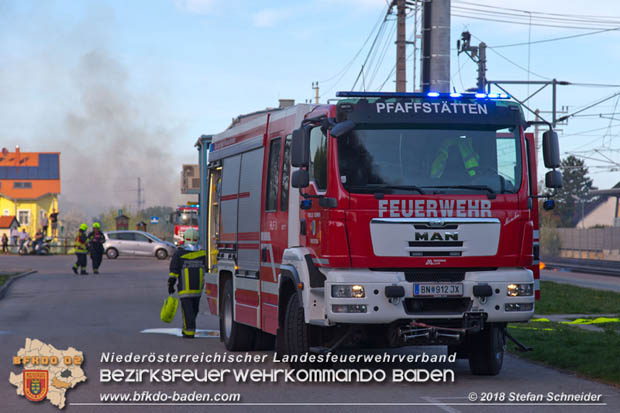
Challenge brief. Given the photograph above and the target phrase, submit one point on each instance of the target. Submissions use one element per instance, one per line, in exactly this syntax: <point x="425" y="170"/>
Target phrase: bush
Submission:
<point x="550" y="242"/>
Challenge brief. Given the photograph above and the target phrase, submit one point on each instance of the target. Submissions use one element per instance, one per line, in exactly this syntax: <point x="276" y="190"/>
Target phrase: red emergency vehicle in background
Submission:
<point x="385" y="219"/>
<point x="185" y="217"/>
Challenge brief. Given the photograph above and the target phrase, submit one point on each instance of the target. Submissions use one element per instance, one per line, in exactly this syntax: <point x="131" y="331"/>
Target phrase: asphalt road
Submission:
<point x="106" y="313"/>
<point x="598" y="282"/>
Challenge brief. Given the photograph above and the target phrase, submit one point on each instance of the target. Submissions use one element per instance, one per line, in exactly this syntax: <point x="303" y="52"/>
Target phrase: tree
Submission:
<point x="164" y="229"/>
<point x="575" y="191"/>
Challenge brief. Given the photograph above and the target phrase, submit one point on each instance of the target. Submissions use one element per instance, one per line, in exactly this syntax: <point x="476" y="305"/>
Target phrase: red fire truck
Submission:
<point x="185" y="217"/>
<point x="385" y="219"/>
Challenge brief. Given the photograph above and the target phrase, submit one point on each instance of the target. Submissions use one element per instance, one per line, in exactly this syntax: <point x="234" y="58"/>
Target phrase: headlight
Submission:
<point x="348" y="291"/>
<point x="519" y="290"/>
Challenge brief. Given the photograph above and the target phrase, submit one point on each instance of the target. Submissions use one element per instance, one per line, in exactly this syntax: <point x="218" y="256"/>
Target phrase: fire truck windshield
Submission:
<point x="187" y="218"/>
<point x="431" y="160"/>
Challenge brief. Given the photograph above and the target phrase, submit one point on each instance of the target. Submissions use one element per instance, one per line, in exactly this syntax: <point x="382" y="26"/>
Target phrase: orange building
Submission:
<point x="29" y="186"/>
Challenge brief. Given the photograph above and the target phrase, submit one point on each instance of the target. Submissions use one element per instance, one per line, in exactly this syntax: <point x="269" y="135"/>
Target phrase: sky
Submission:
<point x="123" y="89"/>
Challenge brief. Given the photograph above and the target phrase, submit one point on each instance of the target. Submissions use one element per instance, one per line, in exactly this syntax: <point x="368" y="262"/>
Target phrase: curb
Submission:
<point x="7" y="284"/>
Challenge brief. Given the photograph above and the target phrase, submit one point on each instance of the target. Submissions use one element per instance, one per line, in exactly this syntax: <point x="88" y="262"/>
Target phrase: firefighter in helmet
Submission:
<point x="187" y="267"/>
<point x="81" y="240"/>
<point x="96" y="239"/>
<point x="469" y="157"/>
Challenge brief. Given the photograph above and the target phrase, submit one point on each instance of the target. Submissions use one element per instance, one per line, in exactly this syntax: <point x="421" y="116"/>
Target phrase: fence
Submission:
<point x="593" y="243"/>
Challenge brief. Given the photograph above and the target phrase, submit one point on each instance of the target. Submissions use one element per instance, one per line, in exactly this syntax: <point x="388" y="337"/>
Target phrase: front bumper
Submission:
<point x="381" y="309"/>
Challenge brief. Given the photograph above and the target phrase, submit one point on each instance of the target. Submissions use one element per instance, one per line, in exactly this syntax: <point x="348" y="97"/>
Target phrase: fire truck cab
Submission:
<point x="184" y="218"/>
<point x="384" y="220"/>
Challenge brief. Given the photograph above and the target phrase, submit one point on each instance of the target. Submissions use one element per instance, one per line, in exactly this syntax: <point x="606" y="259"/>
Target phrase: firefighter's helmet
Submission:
<point x="191" y="236"/>
<point x="83" y="227"/>
<point x="96" y="225"/>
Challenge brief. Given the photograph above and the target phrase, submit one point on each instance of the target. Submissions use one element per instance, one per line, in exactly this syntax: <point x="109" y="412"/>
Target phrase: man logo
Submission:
<point x="36" y="384"/>
<point x="436" y="236"/>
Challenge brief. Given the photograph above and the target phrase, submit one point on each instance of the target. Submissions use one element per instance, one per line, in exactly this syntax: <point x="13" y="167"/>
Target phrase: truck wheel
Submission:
<point x="295" y="329"/>
<point x="264" y="341"/>
<point x="486" y="350"/>
<point x="236" y="336"/>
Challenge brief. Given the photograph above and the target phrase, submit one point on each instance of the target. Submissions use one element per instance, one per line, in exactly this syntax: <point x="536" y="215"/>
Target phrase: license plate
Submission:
<point x="438" y="289"/>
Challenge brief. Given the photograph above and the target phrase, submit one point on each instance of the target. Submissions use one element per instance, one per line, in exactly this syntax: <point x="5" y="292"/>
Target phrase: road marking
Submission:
<point x="441" y="405"/>
<point x="177" y="332"/>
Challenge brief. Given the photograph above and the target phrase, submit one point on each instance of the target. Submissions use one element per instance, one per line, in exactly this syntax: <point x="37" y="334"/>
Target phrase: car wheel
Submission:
<point x="161" y="254"/>
<point x="112" y="253"/>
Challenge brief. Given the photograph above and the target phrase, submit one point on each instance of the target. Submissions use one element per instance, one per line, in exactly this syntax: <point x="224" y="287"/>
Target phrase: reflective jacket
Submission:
<point x="188" y="268"/>
<point x="80" y="242"/>
<point x="468" y="155"/>
<point x="96" y="241"/>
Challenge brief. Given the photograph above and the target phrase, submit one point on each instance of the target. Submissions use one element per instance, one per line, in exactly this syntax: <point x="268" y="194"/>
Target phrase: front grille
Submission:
<point x="436" y="275"/>
<point x="435" y="253"/>
<point x="437" y="305"/>
<point x="435" y="243"/>
<point x="429" y="226"/>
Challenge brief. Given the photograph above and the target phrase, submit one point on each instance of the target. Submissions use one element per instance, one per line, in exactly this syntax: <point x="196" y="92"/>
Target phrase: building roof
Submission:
<point x="29" y="175"/>
<point x="7" y="220"/>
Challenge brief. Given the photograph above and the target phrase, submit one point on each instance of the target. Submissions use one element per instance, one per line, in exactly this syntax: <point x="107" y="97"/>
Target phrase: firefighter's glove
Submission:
<point x="171" y="282"/>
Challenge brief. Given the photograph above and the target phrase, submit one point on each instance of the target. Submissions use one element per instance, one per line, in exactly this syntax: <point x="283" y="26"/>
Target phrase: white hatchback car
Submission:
<point x="136" y="243"/>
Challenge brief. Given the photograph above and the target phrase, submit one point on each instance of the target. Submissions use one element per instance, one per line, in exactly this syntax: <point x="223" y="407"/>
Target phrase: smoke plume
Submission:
<point x="112" y="138"/>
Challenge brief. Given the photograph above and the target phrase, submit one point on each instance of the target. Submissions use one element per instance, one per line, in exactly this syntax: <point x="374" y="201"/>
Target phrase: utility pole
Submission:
<point x="401" y="46"/>
<point x="315" y="86"/>
<point x="415" y="43"/>
<point x="436" y="46"/>
<point x="140" y="201"/>
<point x="478" y="54"/>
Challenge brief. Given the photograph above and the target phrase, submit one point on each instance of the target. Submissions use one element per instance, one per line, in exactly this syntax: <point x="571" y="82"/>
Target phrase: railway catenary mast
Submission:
<point x="384" y="219"/>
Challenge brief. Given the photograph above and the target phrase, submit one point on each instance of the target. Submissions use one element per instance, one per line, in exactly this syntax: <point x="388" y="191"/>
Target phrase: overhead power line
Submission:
<point x="556" y="38"/>
<point x="526" y="15"/>
<point x="525" y="23"/>
<point x="534" y="12"/>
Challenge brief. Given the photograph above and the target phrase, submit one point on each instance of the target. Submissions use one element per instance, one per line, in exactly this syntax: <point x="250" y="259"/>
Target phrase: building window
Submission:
<point x="24" y="185"/>
<point x="23" y="216"/>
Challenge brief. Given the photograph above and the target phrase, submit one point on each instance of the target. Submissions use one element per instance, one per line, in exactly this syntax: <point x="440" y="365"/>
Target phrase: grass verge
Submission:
<point x="4" y="276"/>
<point x="591" y="354"/>
<point x="569" y="299"/>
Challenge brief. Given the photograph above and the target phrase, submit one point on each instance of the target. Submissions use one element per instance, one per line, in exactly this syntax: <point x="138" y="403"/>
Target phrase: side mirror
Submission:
<point x="553" y="179"/>
<point x="551" y="149"/>
<point x="549" y="204"/>
<point x="300" y="147"/>
<point x="300" y="179"/>
<point x="342" y="128"/>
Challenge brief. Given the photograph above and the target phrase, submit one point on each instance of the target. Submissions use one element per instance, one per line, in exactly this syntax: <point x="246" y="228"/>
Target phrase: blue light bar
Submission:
<point x="388" y="95"/>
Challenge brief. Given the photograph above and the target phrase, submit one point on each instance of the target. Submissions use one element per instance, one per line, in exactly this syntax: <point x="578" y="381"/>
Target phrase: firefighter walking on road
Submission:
<point x="187" y="267"/>
<point x="81" y="241"/>
<point x="96" y="239"/>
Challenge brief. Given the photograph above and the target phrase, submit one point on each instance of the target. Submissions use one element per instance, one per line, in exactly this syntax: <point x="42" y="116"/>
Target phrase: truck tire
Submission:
<point x="486" y="350"/>
<point x="236" y="336"/>
<point x="295" y="329"/>
<point x="264" y="341"/>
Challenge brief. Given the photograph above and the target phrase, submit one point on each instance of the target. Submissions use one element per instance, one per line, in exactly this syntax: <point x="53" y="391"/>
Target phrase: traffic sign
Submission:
<point x="154" y="220"/>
